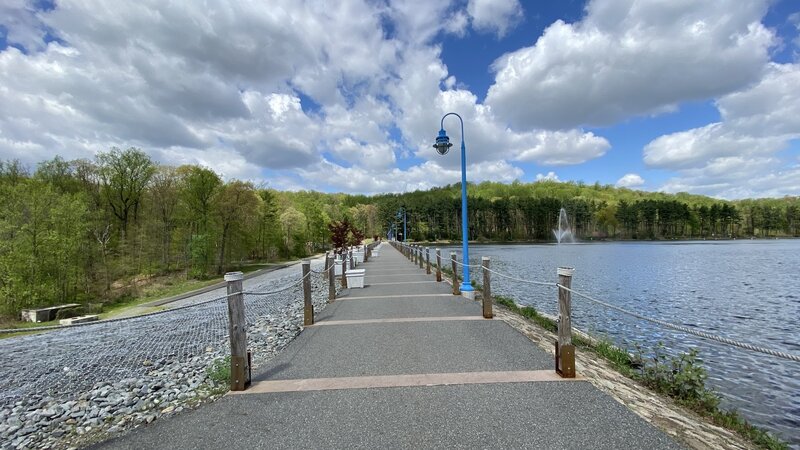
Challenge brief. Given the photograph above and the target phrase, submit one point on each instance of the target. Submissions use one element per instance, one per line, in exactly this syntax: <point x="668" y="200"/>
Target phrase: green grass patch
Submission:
<point x="680" y="377"/>
<point x="219" y="372"/>
<point x="528" y="312"/>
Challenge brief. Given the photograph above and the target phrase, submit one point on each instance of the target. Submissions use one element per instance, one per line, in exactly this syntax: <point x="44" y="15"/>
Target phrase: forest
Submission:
<point x="91" y="230"/>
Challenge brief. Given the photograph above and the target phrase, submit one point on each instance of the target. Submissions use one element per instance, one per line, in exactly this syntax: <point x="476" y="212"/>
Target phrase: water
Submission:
<point x="743" y="290"/>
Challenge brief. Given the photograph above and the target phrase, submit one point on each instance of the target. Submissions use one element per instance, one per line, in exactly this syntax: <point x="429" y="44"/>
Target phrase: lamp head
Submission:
<point x="442" y="144"/>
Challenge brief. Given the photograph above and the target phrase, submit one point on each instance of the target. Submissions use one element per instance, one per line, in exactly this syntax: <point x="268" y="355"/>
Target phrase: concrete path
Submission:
<point x="403" y="363"/>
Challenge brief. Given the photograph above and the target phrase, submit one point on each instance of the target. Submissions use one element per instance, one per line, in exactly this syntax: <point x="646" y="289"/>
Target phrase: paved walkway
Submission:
<point x="403" y="363"/>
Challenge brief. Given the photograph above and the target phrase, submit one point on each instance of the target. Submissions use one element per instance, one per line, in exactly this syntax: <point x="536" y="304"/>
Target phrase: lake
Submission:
<point x="747" y="290"/>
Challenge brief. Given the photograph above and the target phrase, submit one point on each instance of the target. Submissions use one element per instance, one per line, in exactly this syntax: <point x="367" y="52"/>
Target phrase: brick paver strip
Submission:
<point x="370" y="297"/>
<point x="396" y="320"/>
<point x="386" y="381"/>
<point x="412" y="271"/>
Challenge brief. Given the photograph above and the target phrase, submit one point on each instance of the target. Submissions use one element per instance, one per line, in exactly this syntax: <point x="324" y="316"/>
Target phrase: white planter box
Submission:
<point x="358" y="257"/>
<point x="355" y="278"/>
<point x="376" y="252"/>
<point x="337" y="267"/>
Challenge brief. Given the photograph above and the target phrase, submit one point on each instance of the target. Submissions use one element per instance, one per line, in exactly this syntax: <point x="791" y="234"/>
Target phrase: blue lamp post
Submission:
<point x="403" y="210"/>
<point x="442" y="146"/>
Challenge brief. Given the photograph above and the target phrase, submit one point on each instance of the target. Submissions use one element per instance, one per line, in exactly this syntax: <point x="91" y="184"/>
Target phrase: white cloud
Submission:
<point x="631" y="57"/>
<point x="497" y="16"/>
<point x="739" y="156"/>
<point x="22" y="24"/>
<point x="630" y="180"/>
<point x="551" y="176"/>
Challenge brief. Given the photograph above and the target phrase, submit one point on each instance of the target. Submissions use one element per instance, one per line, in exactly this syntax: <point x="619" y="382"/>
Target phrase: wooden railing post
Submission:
<point x="344" y="270"/>
<point x="487" y="289"/>
<point x="428" y="260"/>
<point x="366" y="253"/>
<point x="331" y="280"/>
<point x="565" y="351"/>
<point x="456" y="290"/>
<point x="438" y="265"/>
<point x="237" y="330"/>
<point x="308" y="307"/>
<point x="352" y="261"/>
<point x="421" y="259"/>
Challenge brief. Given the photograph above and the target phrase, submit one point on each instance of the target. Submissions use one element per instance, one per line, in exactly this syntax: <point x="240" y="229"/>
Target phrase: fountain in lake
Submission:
<point x="564" y="232"/>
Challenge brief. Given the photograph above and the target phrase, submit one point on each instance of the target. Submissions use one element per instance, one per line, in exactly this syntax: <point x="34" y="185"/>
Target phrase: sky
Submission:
<point x="348" y="96"/>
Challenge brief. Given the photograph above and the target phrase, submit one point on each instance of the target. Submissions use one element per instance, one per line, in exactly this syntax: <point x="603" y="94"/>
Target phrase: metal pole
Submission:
<point x="466" y="286"/>
<point x="405" y="236"/>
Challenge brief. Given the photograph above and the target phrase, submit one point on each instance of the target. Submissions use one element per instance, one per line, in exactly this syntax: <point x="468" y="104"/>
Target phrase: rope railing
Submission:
<point x="538" y="283"/>
<point x="699" y="333"/>
<point x="665" y="324"/>
<point x="285" y="288"/>
<point x="471" y="266"/>
<point x="117" y="319"/>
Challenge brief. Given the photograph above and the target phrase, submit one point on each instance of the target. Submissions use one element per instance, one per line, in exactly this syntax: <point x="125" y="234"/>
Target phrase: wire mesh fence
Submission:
<point x="133" y="370"/>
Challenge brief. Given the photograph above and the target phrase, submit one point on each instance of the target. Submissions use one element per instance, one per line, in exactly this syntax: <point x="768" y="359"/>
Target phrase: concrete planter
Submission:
<point x="337" y="267"/>
<point x="355" y="278"/>
<point x="358" y="257"/>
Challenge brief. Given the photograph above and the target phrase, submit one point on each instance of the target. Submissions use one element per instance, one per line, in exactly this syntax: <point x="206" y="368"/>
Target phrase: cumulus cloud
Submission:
<point x="495" y="16"/>
<point x="22" y="24"/>
<point x="551" y="176"/>
<point x="328" y="175"/>
<point x="630" y="180"/>
<point x="740" y="155"/>
<point x="631" y="57"/>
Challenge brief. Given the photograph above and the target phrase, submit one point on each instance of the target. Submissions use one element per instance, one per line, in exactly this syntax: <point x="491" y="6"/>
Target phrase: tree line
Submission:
<point x="83" y="230"/>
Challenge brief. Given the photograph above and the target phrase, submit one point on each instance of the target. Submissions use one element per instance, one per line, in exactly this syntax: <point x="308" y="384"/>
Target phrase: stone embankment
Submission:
<point x="68" y="388"/>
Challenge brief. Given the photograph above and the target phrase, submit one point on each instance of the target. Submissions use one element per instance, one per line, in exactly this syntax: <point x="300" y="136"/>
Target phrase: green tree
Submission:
<point x="124" y="176"/>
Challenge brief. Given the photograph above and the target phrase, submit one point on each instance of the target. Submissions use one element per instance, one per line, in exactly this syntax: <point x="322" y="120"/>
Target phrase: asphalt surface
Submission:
<point x="562" y="415"/>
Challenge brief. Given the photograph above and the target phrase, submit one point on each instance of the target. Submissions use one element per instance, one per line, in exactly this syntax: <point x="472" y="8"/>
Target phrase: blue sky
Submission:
<point x="702" y="97"/>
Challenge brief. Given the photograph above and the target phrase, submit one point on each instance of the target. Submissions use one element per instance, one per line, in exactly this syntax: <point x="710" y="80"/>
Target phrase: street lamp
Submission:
<point x="442" y="146"/>
<point x="403" y="210"/>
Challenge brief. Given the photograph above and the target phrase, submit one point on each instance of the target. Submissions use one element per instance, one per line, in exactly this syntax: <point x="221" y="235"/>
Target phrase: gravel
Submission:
<point x="71" y="387"/>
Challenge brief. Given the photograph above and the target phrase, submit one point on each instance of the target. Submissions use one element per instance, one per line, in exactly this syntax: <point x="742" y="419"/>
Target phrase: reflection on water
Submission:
<point x="743" y="290"/>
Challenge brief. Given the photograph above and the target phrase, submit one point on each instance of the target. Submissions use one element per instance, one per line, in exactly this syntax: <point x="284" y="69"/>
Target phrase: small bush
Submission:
<point x="220" y="371"/>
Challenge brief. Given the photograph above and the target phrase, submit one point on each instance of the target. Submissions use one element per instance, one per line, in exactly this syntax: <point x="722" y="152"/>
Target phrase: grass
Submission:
<point x="220" y="371"/>
<point x="682" y="377"/>
<point x="156" y="288"/>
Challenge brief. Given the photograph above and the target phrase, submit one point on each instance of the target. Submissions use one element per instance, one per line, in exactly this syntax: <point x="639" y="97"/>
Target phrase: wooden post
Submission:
<point x="344" y="270"/>
<point x="428" y="260"/>
<point x="487" y="289"/>
<point x="438" y="265"/>
<point x="415" y="253"/>
<point x="456" y="290"/>
<point x="565" y="351"/>
<point x="237" y="330"/>
<point x="331" y="281"/>
<point x="308" y="307"/>
<point x="352" y="261"/>
<point x="421" y="262"/>
<point x="366" y="253"/>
